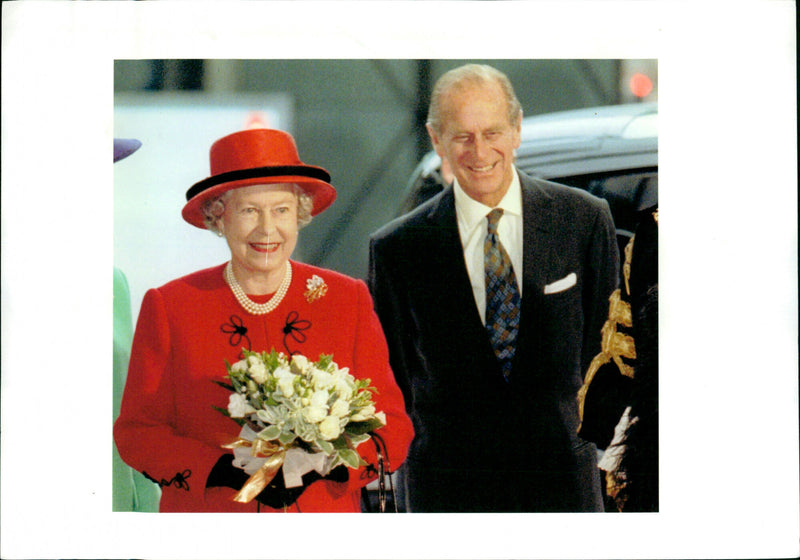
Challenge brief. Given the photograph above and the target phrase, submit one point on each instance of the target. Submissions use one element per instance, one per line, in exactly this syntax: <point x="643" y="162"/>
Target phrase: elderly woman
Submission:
<point x="258" y="196"/>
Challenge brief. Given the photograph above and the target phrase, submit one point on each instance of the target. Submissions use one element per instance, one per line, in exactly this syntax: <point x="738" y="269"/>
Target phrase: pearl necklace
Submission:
<point x="249" y="305"/>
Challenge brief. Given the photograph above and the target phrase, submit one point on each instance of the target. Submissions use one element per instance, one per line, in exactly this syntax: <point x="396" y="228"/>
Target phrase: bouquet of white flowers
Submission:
<point x="296" y="415"/>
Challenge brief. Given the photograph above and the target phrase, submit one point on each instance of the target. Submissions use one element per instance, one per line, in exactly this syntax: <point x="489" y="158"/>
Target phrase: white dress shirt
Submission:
<point x="472" y="227"/>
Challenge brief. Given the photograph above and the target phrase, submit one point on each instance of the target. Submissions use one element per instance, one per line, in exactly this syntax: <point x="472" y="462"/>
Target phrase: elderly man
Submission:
<point x="492" y="295"/>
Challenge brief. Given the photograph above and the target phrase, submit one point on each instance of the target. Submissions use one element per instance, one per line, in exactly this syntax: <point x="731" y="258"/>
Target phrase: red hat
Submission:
<point x="255" y="157"/>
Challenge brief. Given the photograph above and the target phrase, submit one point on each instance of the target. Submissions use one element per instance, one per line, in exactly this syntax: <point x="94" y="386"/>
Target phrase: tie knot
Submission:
<point x="494" y="218"/>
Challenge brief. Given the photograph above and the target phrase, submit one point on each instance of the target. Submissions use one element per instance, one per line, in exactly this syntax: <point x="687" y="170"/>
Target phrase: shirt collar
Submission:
<point x="470" y="212"/>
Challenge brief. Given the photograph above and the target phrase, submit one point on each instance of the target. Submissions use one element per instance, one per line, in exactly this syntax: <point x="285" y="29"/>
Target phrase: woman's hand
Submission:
<point x="275" y="495"/>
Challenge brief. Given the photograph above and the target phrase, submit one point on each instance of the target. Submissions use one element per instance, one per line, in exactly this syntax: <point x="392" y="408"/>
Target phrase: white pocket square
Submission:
<point x="560" y="285"/>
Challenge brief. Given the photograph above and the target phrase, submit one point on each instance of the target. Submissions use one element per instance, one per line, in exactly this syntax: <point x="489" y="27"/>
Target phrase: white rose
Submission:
<point x="240" y="366"/>
<point x="317" y="408"/>
<point x="286" y="385"/>
<point x="381" y="416"/>
<point x="319" y="398"/>
<point x="340" y="408"/>
<point x="258" y="372"/>
<point x="238" y="407"/>
<point x="299" y="363"/>
<point x="364" y="414"/>
<point x="344" y="389"/>
<point x="329" y="428"/>
<point x="315" y="414"/>
<point x="321" y="379"/>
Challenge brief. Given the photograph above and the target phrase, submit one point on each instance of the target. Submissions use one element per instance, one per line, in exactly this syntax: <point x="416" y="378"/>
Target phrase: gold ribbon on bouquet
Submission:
<point x="275" y="455"/>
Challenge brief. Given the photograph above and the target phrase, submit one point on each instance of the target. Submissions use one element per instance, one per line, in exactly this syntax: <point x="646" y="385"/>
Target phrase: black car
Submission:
<point x="610" y="151"/>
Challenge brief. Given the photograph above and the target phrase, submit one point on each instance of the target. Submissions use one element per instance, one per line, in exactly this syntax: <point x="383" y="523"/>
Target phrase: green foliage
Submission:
<point x="224" y="385"/>
<point x="270" y="432"/>
<point x="350" y="457"/>
<point x="359" y="428"/>
<point x="325" y="361"/>
<point x="325" y="446"/>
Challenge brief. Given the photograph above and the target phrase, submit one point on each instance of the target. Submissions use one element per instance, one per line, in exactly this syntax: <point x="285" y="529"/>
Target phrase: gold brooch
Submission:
<point x="315" y="288"/>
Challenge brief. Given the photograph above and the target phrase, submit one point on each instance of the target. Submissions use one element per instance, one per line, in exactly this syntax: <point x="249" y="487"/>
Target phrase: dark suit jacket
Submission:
<point x="481" y="443"/>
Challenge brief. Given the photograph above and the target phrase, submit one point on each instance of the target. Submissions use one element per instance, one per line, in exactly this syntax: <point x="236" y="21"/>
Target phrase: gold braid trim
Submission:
<point x="614" y="345"/>
<point x="626" y="266"/>
<point x="614" y="488"/>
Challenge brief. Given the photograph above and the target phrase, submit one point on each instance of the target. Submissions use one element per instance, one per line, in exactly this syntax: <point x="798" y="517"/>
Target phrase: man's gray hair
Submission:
<point x="471" y="74"/>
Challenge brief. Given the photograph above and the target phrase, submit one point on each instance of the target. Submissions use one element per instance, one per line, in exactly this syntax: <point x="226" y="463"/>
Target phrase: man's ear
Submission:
<point x="434" y="139"/>
<point x="518" y="132"/>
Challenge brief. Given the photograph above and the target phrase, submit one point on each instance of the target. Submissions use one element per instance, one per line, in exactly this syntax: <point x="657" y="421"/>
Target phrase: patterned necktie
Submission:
<point x="502" y="296"/>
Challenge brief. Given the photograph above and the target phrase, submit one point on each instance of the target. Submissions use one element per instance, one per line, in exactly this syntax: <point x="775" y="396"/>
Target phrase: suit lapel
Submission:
<point x="447" y="259"/>
<point x="538" y="230"/>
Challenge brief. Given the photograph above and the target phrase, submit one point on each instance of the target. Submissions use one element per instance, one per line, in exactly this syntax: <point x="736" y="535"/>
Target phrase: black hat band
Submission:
<point x="240" y="174"/>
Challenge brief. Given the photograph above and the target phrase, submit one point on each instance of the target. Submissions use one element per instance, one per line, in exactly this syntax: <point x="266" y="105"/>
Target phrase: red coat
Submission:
<point x="186" y="330"/>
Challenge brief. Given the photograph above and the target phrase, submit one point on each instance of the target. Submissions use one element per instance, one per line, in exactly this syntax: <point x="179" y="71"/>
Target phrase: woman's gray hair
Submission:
<point x="471" y="74"/>
<point x="213" y="209"/>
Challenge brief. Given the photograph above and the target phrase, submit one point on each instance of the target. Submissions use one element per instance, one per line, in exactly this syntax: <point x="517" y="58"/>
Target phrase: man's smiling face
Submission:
<point x="478" y="139"/>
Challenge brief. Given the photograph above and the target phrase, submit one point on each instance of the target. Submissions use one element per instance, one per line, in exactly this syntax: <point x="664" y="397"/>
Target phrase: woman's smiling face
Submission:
<point x="260" y="227"/>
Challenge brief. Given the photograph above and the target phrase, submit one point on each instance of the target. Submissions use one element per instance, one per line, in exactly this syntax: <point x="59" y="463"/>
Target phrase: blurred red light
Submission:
<point x="641" y="85"/>
<point x="257" y="119"/>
